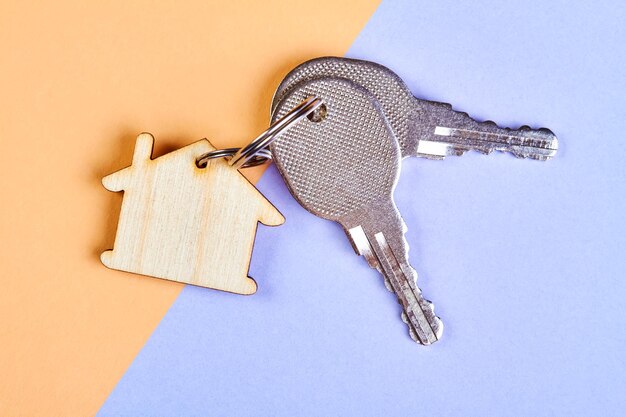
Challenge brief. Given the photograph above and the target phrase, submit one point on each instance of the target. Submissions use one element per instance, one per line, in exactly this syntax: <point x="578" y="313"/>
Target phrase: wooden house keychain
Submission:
<point x="190" y="215"/>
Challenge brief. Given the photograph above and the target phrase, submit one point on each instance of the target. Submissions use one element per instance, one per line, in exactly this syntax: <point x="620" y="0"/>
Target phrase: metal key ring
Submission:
<point x="254" y="148"/>
<point x="260" y="158"/>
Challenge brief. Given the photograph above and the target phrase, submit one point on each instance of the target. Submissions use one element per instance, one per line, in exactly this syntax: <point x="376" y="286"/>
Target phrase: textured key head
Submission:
<point x="393" y="95"/>
<point x="344" y="162"/>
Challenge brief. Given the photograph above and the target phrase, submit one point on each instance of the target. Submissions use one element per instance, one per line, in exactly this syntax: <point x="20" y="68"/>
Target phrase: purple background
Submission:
<point x="524" y="260"/>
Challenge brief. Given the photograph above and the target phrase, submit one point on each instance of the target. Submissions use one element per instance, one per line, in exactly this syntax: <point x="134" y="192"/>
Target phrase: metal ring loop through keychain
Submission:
<point x="260" y="158"/>
<point x="256" y="152"/>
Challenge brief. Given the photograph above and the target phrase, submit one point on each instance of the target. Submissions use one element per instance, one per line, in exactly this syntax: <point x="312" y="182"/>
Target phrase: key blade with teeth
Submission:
<point x="378" y="235"/>
<point x="444" y="131"/>
<point x="423" y="128"/>
<point x="344" y="167"/>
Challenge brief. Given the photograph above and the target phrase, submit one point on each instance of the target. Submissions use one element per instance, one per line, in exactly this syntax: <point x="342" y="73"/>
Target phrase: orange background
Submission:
<point x="78" y="81"/>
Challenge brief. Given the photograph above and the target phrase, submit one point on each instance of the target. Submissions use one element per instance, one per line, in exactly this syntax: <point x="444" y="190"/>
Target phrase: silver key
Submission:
<point x="343" y="166"/>
<point x="424" y="128"/>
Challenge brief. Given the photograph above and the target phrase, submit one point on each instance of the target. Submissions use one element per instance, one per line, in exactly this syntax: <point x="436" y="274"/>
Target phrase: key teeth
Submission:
<point x="425" y="305"/>
<point x="489" y="123"/>
<point x="405" y="320"/>
<point x="549" y="141"/>
<point x="428" y="307"/>
<point x="436" y="325"/>
<point x="524" y="142"/>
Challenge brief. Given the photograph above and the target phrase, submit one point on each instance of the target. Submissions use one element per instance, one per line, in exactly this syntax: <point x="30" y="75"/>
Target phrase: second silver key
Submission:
<point x="343" y="166"/>
<point x="424" y="128"/>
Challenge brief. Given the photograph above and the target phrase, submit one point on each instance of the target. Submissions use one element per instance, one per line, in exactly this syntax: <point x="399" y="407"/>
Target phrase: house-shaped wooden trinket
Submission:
<point x="184" y="223"/>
